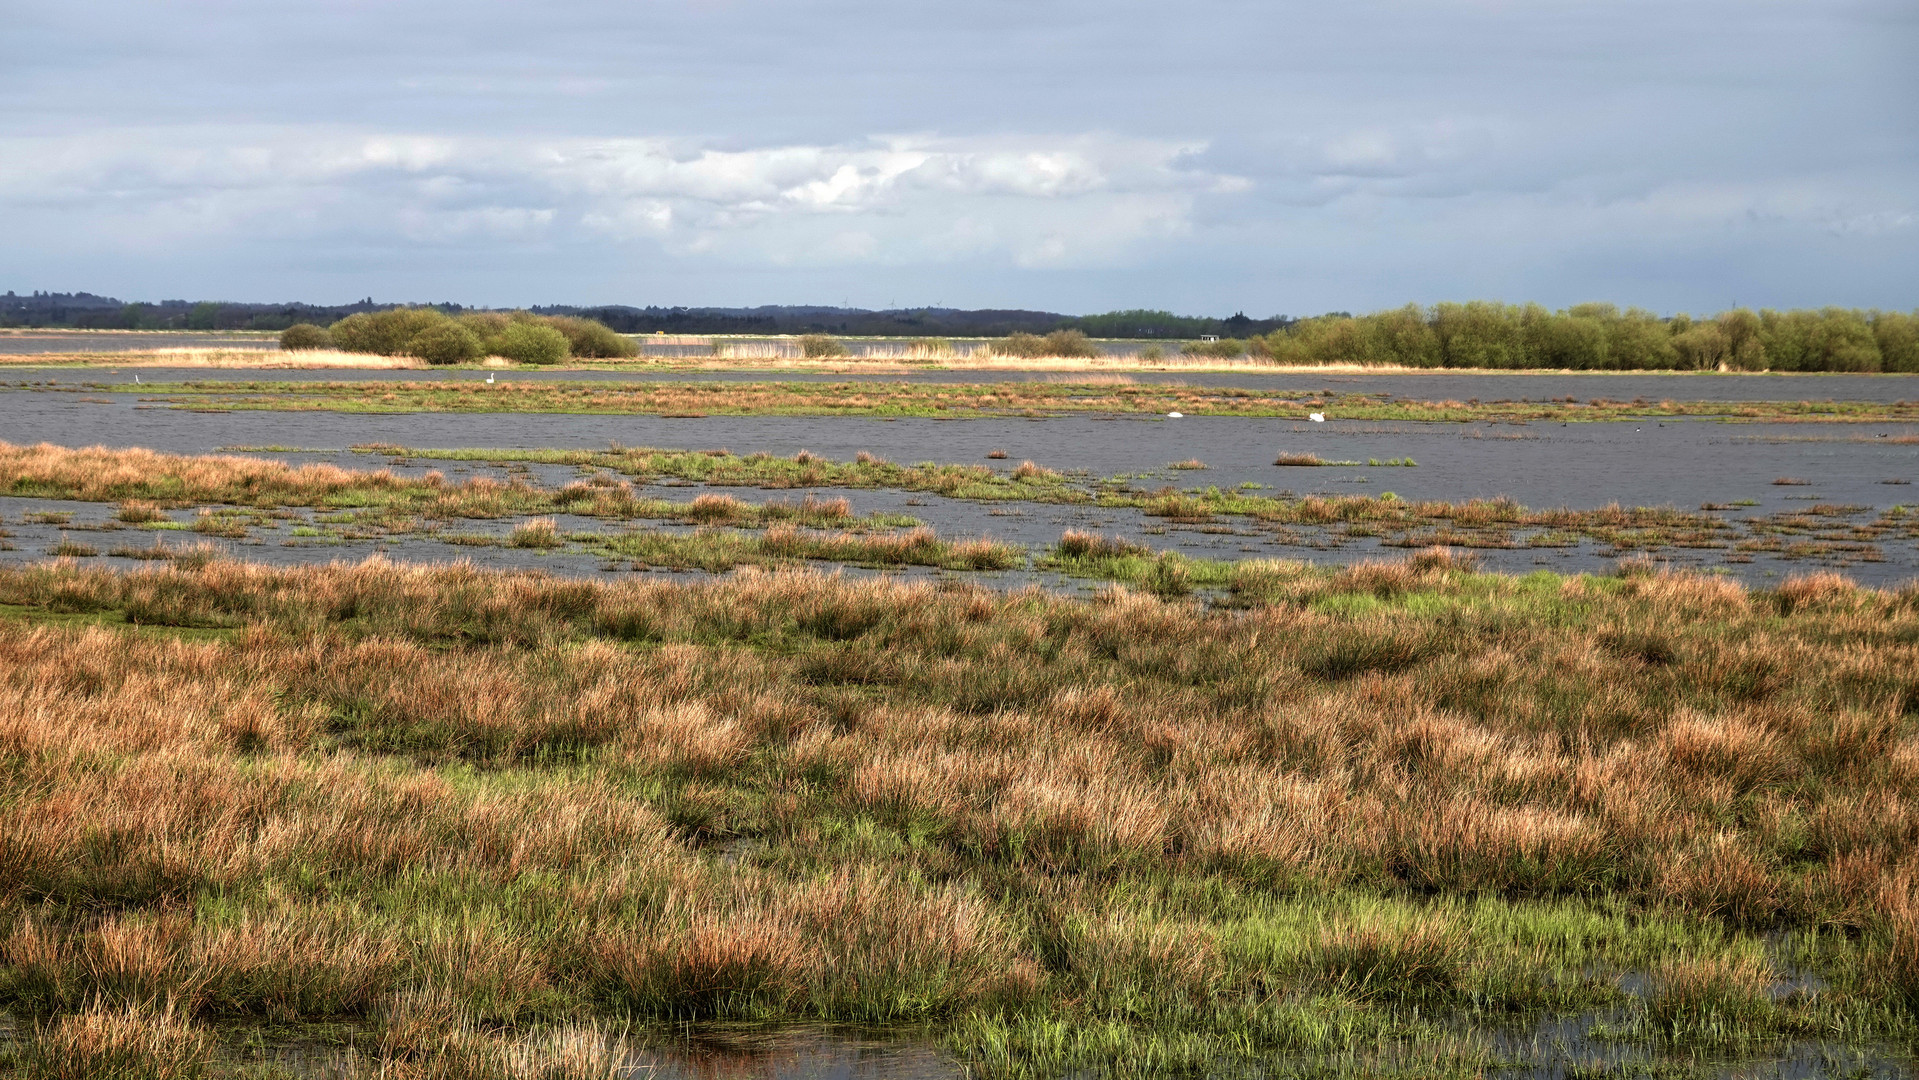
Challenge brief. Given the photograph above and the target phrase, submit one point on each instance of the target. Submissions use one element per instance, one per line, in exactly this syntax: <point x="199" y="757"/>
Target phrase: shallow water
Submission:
<point x="1648" y="463"/>
<point x="1552" y="1049"/>
<point x="1542" y="465"/>
<point x="36" y="342"/>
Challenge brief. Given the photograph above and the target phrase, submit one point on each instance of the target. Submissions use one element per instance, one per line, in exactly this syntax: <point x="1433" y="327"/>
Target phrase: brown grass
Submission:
<point x="790" y="795"/>
<point x="264" y="357"/>
<point x="129" y="1043"/>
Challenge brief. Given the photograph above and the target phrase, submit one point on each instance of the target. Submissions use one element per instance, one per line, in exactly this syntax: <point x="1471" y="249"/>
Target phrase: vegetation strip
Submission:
<point x="879" y="398"/>
<point x="1399" y="806"/>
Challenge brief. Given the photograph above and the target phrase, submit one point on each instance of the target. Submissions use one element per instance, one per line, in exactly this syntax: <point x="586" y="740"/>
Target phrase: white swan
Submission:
<point x="1317" y="418"/>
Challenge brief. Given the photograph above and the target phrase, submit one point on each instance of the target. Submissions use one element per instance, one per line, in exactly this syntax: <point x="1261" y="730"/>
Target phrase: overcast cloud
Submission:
<point x="1079" y="156"/>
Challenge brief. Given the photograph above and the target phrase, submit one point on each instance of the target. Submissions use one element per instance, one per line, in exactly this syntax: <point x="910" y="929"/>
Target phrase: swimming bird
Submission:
<point x="1174" y="415"/>
<point x="1317" y="418"/>
<point x="489" y="378"/>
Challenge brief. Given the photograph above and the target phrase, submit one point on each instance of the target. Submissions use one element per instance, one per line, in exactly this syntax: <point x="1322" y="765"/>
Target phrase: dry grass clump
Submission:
<point x="1299" y="458"/>
<point x="1086" y="545"/>
<point x="537" y="533"/>
<point x="715" y="509"/>
<point x="134" y="512"/>
<point x="128" y="1043"/>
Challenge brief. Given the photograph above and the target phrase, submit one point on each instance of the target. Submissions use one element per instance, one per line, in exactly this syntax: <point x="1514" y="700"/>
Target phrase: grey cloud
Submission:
<point x="1209" y="155"/>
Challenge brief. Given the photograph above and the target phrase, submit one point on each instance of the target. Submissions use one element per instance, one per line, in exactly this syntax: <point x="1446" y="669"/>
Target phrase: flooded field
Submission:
<point x="716" y="817"/>
<point x="1842" y="475"/>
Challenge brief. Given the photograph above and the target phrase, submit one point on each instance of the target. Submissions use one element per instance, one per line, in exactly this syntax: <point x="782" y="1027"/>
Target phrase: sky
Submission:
<point x="1206" y="157"/>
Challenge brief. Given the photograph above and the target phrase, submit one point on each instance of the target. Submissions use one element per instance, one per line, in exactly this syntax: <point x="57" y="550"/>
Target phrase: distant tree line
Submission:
<point x="1478" y="334"/>
<point x="1166" y="325"/>
<point x="1601" y="337"/>
<point x="88" y="311"/>
<point x="855" y="322"/>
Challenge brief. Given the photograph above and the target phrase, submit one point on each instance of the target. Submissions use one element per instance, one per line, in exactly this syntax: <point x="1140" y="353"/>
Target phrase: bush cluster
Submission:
<point x="814" y="346"/>
<point x="438" y="338"/>
<point x="1601" y="337"/>
<point x="1065" y="343"/>
<point x="302" y="337"/>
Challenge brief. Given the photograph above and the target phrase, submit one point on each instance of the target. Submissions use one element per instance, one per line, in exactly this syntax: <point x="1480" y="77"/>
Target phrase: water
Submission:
<point x="1673" y="463"/>
<point x="36" y="342"/>
<point x="1553" y="1048"/>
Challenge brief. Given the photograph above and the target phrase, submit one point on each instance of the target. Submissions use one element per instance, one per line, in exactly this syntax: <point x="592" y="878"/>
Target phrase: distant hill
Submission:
<point x="83" y="310"/>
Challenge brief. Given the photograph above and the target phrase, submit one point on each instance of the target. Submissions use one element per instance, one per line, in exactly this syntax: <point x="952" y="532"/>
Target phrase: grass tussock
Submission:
<point x="129" y="1043"/>
<point x="467" y="806"/>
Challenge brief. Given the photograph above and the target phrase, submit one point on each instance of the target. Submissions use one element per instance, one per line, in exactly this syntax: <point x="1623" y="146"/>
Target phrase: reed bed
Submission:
<point x="267" y="356"/>
<point x="1388" y="806"/>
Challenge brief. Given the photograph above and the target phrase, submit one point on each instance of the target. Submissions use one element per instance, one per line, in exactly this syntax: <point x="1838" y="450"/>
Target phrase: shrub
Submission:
<point x="1071" y="343"/>
<point x="447" y="343"/>
<point x="532" y="343"/>
<point x="304" y="336"/>
<point x="820" y="345"/>
<point x="1023" y="346"/>
<point x="384" y="333"/>
<point x="590" y="339"/>
<point x="486" y="325"/>
<point x="1898" y="337"/>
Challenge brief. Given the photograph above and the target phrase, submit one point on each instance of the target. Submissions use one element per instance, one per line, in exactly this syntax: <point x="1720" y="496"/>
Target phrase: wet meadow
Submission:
<point x="591" y="725"/>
